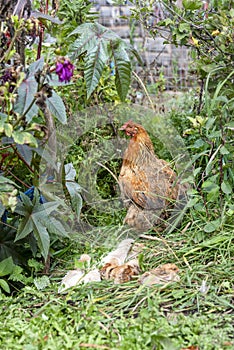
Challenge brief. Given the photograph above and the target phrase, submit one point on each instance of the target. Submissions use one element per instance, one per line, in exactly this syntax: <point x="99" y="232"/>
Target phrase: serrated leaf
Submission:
<point x="70" y="172"/>
<point x="6" y="266"/>
<point x="26" y="201"/>
<point x="226" y="187"/>
<point x="42" y="236"/>
<point x="94" y="64"/>
<point x="57" y="107"/>
<point x="122" y="71"/>
<point x="41" y="282"/>
<point x="55" y="226"/>
<point x="48" y="207"/>
<point x="100" y="43"/>
<point x="24" y="229"/>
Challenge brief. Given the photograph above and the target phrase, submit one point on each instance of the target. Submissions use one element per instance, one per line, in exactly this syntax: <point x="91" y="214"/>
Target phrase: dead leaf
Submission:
<point x="161" y="275"/>
<point x="119" y="255"/>
<point x="192" y="347"/>
<point x="78" y="276"/>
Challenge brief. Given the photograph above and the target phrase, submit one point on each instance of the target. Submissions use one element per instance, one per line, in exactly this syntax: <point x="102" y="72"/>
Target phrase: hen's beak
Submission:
<point x="123" y="127"/>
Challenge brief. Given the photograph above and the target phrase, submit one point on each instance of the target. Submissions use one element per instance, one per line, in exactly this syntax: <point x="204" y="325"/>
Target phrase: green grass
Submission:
<point x="130" y="316"/>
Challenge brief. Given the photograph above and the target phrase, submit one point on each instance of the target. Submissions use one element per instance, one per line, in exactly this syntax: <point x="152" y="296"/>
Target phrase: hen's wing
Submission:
<point x="149" y="187"/>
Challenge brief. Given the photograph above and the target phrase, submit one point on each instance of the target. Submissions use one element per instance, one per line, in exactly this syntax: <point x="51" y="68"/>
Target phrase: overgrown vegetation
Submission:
<point x="59" y="194"/>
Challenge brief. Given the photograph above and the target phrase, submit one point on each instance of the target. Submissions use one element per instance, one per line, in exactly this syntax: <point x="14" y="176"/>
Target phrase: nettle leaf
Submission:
<point x="95" y="62"/>
<point x="57" y="107"/>
<point x="122" y="70"/>
<point x="99" y="44"/>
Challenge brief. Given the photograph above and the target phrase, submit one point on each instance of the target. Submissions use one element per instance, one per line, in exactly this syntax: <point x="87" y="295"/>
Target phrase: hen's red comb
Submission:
<point x="123" y="127"/>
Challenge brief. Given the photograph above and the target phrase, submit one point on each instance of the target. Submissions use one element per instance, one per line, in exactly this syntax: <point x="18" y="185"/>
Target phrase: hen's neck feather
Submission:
<point x="140" y="150"/>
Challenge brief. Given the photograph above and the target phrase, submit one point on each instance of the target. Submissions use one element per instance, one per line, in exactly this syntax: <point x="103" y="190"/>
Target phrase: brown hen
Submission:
<point x="148" y="185"/>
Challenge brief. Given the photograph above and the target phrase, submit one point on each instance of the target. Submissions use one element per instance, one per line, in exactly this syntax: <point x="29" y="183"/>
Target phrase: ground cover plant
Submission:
<point x="59" y="193"/>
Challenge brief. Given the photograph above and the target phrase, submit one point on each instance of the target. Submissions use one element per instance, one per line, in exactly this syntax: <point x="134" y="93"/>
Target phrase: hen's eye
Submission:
<point x="136" y="129"/>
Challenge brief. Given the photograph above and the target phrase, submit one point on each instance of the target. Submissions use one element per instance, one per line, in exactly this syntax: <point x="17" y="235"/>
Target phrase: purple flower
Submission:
<point x="64" y="69"/>
<point x="8" y="77"/>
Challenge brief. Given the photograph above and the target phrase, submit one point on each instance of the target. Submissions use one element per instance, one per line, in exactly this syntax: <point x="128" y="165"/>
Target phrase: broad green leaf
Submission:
<point x="90" y="29"/>
<point x="57" y="107"/>
<point x="36" y="66"/>
<point x="209" y="185"/>
<point x="6" y="266"/>
<point x="26" y="152"/>
<point x="122" y="68"/>
<point x="8" y="128"/>
<point x="26" y="96"/>
<point x="212" y="226"/>
<point x="184" y="27"/>
<point x="223" y="150"/>
<point x="226" y="187"/>
<point x="23" y="137"/>
<point x="4" y="285"/>
<point x="41" y="16"/>
<point x="5" y="180"/>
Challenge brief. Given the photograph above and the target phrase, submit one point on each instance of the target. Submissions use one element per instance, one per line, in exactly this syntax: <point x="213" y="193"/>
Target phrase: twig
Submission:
<point x="23" y="183"/>
<point x="144" y="88"/>
<point x="152" y="238"/>
<point x="22" y="158"/>
<point x="103" y="166"/>
<point x="94" y="346"/>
